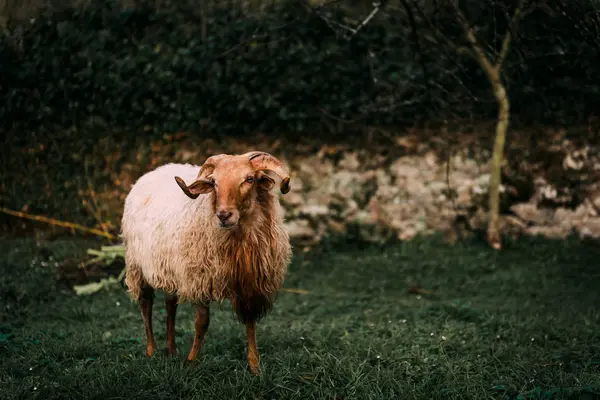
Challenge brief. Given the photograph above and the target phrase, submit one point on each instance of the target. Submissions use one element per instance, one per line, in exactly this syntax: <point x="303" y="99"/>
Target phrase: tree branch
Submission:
<point x="440" y="37"/>
<point x="508" y="35"/>
<point x="377" y="6"/>
<point x="413" y="25"/>
<point x="476" y="48"/>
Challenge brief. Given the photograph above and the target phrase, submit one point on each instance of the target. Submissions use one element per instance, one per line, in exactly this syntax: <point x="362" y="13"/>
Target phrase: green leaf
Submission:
<point x="4" y="337"/>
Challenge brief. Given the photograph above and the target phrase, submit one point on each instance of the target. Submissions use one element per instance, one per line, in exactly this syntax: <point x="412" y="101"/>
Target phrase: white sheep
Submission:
<point x="221" y="237"/>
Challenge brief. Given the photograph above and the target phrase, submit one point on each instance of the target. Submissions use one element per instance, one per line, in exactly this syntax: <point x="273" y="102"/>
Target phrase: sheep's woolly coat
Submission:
<point x="173" y="243"/>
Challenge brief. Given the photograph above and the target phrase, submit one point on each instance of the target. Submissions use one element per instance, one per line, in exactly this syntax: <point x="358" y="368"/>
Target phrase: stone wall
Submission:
<point x="377" y="193"/>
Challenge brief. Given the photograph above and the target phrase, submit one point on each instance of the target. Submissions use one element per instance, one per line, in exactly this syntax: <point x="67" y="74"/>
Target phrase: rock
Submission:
<point x="576" y="160"/>
<point x="464" y="198"/>
<point x="344" y="183"/>
<point x="552" y="232"/>
<point x="369" y="230"/>
<point x="407" y="234"/>
<point x="512" y="226"/>
<point x="595" y="199"/>
<point x="402" y="169"/>
<point x="547" y="192"/>
<point x="529" y="212"/>
<point x="336" y="192"/>
<point x="313" y="211"/>
<point x="313" y="172"/>
<point x="351" y="210"/>
<point x="349" y="162"/>
<point x="590" y="228"/>
<point x="430" y="159"/>
<point x="481" y="184"/>
<point x="438" y="187"/>
<point x="293" y="198"/>
<point x="300" y="230"/>
<point x="337" y="226"/>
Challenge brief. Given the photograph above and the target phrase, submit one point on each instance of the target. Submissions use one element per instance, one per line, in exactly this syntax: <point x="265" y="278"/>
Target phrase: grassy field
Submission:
<point x="524" y="323"/>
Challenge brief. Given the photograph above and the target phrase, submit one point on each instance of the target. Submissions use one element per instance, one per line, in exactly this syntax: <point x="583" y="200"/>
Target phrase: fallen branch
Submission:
<point x="56" y="222"/>
<point x="298" y="291"/>
<point x="106" y="254"/>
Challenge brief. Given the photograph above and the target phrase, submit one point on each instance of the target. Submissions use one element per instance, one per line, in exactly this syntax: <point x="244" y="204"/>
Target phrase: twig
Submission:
<point x="419" y="290"/>
<point x="476" y="49"/>
<point x="374" y="11"/>
<point x="377" y="6"/>
<point x="298" y="291"/>
<point x="479" y="53"/>
<point x="326" y="3"/>
<point x="439" y="35"/>
<point x="56" y="222"/>
<point x="94" y="206"/>
<point x="417" y="44"/>
<point x="508" y="36"/>
<point x="338" y="119"/>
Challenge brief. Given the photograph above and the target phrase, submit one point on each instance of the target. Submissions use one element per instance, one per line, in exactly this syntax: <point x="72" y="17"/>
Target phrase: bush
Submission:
<point x="70" y="77"/>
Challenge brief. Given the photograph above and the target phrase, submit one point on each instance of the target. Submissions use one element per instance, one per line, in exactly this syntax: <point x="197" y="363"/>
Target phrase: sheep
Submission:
<point x="220" y="237"/>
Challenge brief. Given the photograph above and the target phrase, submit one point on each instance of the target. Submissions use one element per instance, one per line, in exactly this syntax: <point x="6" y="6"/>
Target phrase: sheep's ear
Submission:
<point x="264" y="181"/>
<point x="198" y="187"/>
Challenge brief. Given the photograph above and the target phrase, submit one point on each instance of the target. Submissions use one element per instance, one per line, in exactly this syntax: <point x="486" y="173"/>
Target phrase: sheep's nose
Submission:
<point x="224" y="216"/>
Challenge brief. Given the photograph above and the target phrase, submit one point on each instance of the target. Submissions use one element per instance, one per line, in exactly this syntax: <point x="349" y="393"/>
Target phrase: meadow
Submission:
<point x="416" y="320"/>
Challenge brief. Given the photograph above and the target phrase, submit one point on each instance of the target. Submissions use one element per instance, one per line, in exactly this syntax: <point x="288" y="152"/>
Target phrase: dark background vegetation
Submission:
<point x="80" y="80"/>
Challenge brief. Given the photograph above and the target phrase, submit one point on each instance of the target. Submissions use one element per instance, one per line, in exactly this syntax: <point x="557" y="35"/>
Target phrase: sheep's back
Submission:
<point x="162" y="228"/>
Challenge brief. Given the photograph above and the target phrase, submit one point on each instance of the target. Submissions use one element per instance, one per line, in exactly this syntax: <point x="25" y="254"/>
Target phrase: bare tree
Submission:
<point x="493" y="71"/>
<point x="491" y="63"/>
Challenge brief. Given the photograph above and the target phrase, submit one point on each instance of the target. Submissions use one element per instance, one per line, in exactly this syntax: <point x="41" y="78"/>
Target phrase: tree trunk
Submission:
<point x="493" y="233"/>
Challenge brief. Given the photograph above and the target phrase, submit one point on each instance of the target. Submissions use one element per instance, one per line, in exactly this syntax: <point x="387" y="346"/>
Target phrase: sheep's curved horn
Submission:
<point x="210" y="164"/>
<point x="198" y="187"/>
<point x="185" y="188"/>
<point x="265" y="161"/>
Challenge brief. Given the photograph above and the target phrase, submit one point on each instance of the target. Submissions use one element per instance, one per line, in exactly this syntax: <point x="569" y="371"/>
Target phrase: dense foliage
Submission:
<point x="68" y="77"/>
<point x="281" y="69"/>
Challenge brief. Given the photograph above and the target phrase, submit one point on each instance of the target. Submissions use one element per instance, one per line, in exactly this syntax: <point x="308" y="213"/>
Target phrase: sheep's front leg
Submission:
<point x="201" y="322"/>
<point x="171" y="306"/>
<point x="253" y="356"/>
<point x="146" y="302"/>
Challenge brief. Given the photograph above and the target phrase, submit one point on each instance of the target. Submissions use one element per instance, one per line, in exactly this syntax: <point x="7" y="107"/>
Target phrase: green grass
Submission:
<point x="491" y="324"/>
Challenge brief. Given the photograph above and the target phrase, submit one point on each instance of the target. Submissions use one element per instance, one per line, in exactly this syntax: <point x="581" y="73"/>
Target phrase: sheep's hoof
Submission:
<point x="169" y="352"/>
<point x="255" y="370"/>
<point x="149" y="351"/>
<point x="189" y="362"/>
<point x="253" y="364"/>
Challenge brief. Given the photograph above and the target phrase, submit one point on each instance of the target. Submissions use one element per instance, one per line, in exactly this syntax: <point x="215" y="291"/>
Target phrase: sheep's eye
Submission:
<point x="250" y="179"/>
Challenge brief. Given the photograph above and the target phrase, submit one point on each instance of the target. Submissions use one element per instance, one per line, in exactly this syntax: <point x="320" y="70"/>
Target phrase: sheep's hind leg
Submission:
<point x="201" y="322"/>
<point x="171" y="306"/>
<point x="146" y="302"/>
<point x="253" y="356"/>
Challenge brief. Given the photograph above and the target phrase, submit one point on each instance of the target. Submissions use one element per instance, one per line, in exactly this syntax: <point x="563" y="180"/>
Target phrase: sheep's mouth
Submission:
<point x="227" y="226"/>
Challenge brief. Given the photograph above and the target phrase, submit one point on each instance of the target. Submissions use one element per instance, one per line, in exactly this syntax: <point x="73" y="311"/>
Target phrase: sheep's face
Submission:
<point x="237" y="183"/>
<point x="235" y="186"/>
